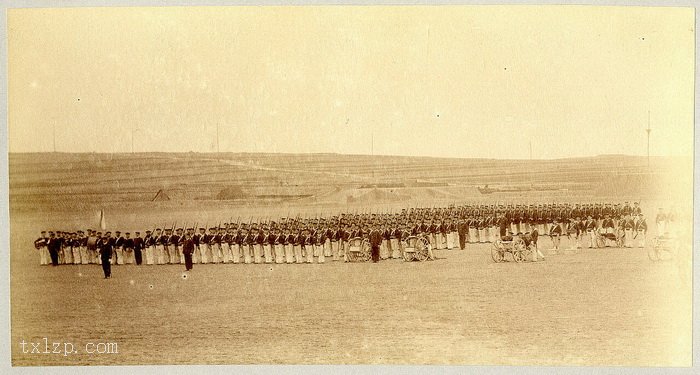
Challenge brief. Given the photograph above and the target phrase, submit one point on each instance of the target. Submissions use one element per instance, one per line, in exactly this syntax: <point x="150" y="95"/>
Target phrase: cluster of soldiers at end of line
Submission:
<point x="287" y="241"/>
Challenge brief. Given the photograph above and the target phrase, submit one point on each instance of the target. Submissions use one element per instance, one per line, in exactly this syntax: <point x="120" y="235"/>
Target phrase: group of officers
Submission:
<point x="314" y="240"/>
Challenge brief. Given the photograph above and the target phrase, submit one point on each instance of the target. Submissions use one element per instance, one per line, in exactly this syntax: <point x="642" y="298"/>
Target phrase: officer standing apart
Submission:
<point x="187" y="250"/>
<point x="375" y="239"/>
<point x="106" y="254"/>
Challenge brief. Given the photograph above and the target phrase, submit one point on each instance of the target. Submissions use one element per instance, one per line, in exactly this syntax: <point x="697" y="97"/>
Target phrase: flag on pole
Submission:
<point x="103" y="224"/>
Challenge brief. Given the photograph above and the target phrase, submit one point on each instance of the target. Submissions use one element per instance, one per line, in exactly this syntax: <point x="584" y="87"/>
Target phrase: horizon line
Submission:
<point x="214" y="153"/>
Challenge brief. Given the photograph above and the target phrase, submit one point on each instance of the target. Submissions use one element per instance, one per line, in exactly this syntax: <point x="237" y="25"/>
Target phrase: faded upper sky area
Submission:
<point x="454" y="81"/>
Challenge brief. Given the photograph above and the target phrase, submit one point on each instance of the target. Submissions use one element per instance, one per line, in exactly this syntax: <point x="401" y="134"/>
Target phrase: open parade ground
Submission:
<point x="596" y="307"/>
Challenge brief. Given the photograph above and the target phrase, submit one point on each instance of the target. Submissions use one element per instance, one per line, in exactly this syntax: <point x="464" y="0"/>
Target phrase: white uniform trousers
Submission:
<point x="342" y="248"/>
<point x="591" y="239"/>
<point x="214" y="253"/>
<point x="129" y="256"/>
<point x="327" y="251"/>
<point x="203" y="250"/>
<point x="315" y="249"/>
<point x="195" y="255"/>
<point x="334" y="250"/>
<point x="92" y="256"/>
<point x="309" y="253"/>
<point x="298" y="254"/>
<point x="321" y="253"/>
<point x="289" y="253"/>
<point x="279" y="254"/>
<point x="83" y="255"/>
<point x="149" y="254"/>
<point x="493" y="234"/>
<point x="383" y="250"/>
<point x="395" y="250"/>
<point x="629" y="233"/>
<point x="267" y="252"/>
<point x="345" y="248"/>
<point x="247" y="253"/>
<point x="67" y="255"/>
<point x="482" y="235"/>
<point x="225" y="252"/>
<point x="455" y="240"/>
<point x="43" y="256"/>
<point x="257" y="253"/>
<point x="120" y="255"/>
<point x="472" y="235"/>
<point x="235" y="253"/>
<point x="641" y="238"/>
<point x="169" y="254"/>
<point x="160" y="254"/>
<point x="430" y="253"/>
<point x="180" y="255"/>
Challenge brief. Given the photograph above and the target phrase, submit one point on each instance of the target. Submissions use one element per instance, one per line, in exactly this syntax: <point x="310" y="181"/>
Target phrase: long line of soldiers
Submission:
<point x="309" y="240"/>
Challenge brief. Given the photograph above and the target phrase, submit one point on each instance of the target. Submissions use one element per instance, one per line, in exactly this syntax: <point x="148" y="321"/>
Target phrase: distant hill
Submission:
<point x="66" y="180"/>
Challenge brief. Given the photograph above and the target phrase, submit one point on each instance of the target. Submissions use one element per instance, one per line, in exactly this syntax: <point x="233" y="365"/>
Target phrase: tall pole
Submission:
<point x="217" y="141"/>
<point x="529" y="169"/>
<point x="648" y="129"/>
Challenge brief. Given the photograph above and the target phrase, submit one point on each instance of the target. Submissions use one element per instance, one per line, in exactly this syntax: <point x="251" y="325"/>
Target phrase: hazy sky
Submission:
<point x="469" y="81"/>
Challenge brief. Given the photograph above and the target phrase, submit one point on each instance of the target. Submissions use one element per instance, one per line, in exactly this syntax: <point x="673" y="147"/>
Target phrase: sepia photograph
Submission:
<point x="482" y="185"/>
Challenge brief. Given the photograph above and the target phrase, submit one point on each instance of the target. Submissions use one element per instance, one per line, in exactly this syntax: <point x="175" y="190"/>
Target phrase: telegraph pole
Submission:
<point x="218" y="151"/>
<point x="648" y="129"/>
<point x="54" y="136"/>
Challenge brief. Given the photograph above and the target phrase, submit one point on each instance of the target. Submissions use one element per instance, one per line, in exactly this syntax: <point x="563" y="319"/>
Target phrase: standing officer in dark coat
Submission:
<point x="138" y="247"/>
<point x="375" y="239"/>
<point x="188" y="250"/>
<point x="54" y="246"/>
<point x="462" y="229"/>
<point x="106" y="247"/>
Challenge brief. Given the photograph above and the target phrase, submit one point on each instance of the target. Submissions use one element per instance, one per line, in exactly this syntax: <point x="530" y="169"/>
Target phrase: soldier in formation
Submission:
<point x="318" y="240"/>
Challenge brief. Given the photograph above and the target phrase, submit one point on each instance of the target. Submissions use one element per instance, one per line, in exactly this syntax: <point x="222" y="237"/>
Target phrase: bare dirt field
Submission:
<point x="598" y="307"/>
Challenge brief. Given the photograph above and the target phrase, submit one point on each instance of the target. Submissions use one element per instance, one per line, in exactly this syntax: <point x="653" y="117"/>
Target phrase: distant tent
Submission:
<point x="231" y="192"/>
<point x="160" y="196"/>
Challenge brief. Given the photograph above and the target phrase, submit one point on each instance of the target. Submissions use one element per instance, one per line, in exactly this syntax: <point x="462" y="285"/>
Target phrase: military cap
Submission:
<point x="158" y="229"/>
<point x="148" y="231"/>
<point x="117" y="232"/>
<point x="127" y="233"/>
